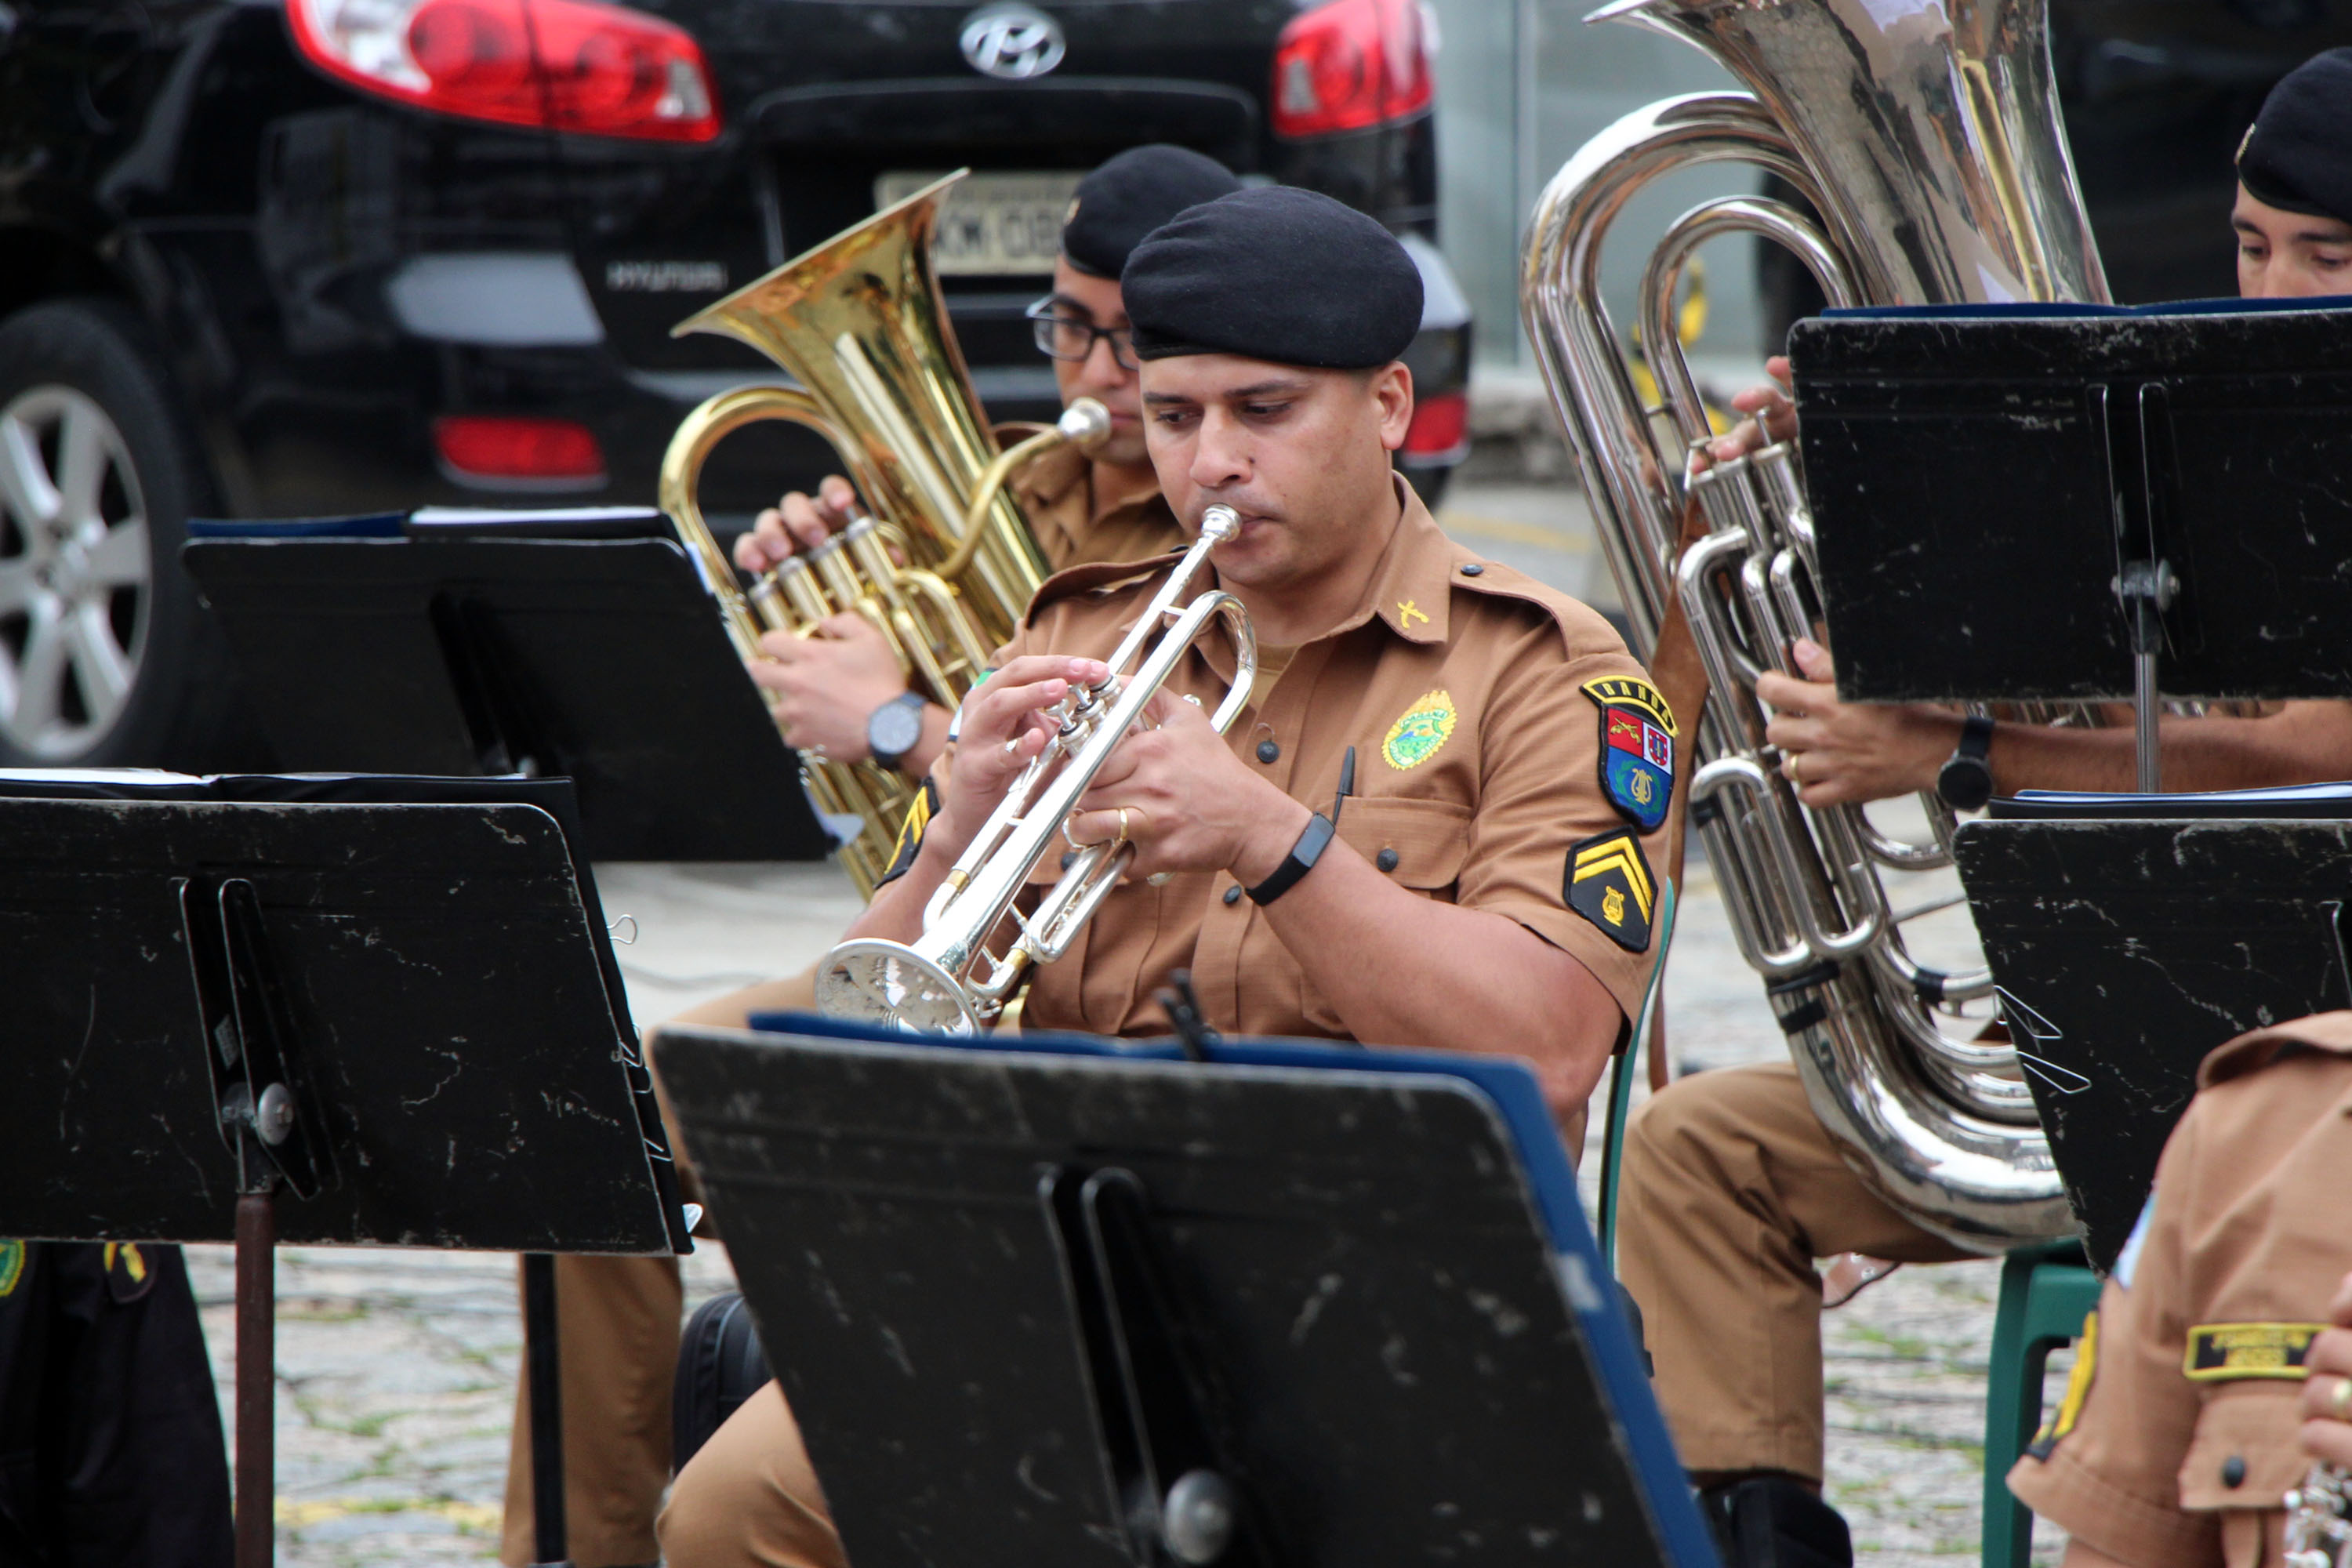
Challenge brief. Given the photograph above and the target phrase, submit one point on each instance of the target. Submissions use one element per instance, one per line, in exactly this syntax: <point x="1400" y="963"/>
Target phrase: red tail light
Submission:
<point x="560" y="65"/>
<point x="1350" y="64"/>
<point x="1440" y="425"/>
<point x="503" y="447"/>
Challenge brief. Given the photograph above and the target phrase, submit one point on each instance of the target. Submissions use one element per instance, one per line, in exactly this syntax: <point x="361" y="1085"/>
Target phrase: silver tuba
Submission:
<point x="1927" y="136"/>
<point x="947" y="982"/>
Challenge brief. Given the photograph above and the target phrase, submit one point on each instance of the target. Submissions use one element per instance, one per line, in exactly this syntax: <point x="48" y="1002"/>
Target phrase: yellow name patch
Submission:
<point x="2222" y="1353"/>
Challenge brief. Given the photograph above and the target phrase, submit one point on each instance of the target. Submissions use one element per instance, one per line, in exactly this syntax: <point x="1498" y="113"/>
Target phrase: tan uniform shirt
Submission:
<point x="1075" y="527"/>
<point x="2186" y="1436"/>
<point x="1479" y="775"/>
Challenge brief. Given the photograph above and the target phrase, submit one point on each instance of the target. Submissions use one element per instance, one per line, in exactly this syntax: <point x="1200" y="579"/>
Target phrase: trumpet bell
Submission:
<point x="890" y="985"/>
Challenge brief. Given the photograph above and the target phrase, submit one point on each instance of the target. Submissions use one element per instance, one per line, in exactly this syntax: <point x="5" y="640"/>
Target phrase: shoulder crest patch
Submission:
<point x="2078" y="1388"/>
<point x="12" y="1265"/>
<point x="1637" y="748"/>
<point x="1610" y="884"/>
<point x="2224" y="1353"/>
<point x="128" y="1276"/>
<point x="1419" y="731"/>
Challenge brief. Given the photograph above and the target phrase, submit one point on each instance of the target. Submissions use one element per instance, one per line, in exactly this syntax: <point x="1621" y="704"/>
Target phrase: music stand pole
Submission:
<point x="2146" y="589"/>
<point x="546" y="1385"/>
<point x="256" y="1360"/>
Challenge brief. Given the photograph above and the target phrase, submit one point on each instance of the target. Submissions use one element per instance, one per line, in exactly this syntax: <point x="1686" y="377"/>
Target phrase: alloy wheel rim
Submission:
<point x="77" y="572"/>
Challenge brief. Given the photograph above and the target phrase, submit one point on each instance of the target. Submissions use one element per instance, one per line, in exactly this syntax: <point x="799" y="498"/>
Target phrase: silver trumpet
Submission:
<point x="947" y="982"/>
<point x="2320" y="1521"/>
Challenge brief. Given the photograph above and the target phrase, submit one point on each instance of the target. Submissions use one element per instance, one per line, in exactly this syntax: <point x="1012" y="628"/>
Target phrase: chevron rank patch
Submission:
<point x="1637" y="748"/>
<point x="2078" y="1389"/>
<point x="910" y="832"/>
<point x="1609" y="883"/>
<point x="2224" y="1353"/>
<point x="127" y="1278"/>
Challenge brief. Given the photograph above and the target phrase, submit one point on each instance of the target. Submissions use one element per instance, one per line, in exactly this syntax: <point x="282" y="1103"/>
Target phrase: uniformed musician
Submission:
<point x="2183" y="1423"/>
<point x="1492" y="876"/>
<point x="843" y="692"/>
<point x="1731" y="1187"/>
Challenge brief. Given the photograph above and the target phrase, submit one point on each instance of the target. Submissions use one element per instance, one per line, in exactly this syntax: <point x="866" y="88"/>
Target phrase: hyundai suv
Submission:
<point x="289" y="257"/>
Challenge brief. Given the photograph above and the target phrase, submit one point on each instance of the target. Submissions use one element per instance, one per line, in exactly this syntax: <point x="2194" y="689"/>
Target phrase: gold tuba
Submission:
<point x="945" y="565"/>
<point x="1929" y="140"/>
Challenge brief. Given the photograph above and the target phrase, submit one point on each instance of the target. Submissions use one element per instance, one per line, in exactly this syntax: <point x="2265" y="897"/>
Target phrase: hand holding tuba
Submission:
<point x="946" y="981"/>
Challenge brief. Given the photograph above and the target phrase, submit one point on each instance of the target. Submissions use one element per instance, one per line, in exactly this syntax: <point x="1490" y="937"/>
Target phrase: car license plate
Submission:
<point x="993" y="223"/>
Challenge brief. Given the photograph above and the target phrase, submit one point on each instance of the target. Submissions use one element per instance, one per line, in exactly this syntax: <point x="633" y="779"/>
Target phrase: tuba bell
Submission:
<point x="1928" y="139"/>
<point x="945" y="564"/>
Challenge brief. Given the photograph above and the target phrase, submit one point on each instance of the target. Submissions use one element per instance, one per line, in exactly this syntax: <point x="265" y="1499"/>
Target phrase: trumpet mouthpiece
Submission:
<point x="1220" y="523"/>
<point x="1086" y="423"/>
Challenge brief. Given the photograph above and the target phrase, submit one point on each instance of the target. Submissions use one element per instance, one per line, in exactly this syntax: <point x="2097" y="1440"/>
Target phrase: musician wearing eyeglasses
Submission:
<point x="1732" y="1188"/>
<point x="2183" y="1427"/>
<point x="842" y="693"/>
<point x="1435" y="825"/>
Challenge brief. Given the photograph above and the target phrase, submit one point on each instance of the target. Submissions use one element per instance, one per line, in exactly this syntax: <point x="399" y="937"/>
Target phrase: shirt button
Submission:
<point x="1267" y="750"/>
<point x="1471" y="569"/>
<point x="1386" y="860"/>
<point x="2233" y="1471"/>
<point x="1234" y="894"/>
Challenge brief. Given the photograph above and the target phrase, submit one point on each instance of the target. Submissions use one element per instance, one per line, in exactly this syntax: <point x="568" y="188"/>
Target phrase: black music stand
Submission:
<point x="475" y="643"/>
<point x="2130" y="945"/>
<point x="377" y="1024"/>
<point x="1054" y="1299"/>
<point x="2073" y="503"/>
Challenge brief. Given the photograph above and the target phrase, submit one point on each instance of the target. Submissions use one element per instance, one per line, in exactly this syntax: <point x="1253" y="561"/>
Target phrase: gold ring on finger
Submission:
<point x="1789" y="766"/>
<point x="2339" y="1404"/>
<point x="1122" y="838"/>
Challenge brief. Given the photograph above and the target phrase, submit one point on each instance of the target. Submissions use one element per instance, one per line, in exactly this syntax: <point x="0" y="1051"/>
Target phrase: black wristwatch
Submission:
<point x="894" y="729"/>
<point x="1309" y="848"/>
<point x="1965" y="780"/>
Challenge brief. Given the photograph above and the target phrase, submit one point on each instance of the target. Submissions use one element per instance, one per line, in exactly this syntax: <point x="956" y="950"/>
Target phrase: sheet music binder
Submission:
<point x="1355" y="1285"/>
<point x="488" y="643"/>
<point x="1982" y="478"/>
<point x="2128" y="946"/>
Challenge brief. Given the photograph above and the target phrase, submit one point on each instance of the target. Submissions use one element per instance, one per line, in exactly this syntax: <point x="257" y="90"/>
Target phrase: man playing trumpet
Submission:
<point x="1433" y="826"/>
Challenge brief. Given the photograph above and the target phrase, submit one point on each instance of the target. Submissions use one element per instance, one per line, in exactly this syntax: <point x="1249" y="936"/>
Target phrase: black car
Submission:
<point x="293" y="257"/>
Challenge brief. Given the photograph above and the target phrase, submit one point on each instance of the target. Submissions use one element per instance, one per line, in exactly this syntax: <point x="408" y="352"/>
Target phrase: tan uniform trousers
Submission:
<point x="618" y="1323"/>
<point x="1730" y="1190"/>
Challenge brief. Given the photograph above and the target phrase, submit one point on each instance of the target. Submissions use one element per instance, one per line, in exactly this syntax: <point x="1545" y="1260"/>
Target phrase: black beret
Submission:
<point x="2298" y="152"/>
<point x="1131" y="195"/>
<point x="1277" y="274"/>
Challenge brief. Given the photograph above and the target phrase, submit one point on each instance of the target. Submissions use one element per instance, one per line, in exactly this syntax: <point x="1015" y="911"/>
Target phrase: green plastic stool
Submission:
<point x="2045" y="1293"/>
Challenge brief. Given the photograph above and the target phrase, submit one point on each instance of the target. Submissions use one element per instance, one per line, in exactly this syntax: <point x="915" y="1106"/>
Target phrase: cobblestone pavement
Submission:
<point x="397" y="1369"/>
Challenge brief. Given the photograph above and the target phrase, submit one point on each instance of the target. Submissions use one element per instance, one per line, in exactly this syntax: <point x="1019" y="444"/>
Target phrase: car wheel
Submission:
<point x="103" y="659"/>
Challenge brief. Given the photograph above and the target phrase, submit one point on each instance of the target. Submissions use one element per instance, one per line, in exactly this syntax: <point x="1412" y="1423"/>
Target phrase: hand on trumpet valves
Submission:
<point x="2328" y="1387"/>
<point x="1006" y="725"/>
<point x="1771" y="418"/>
<point x="1190" y="804"/>
<point x="1840" y="752"/>
<point x="826" y="686"/>
<point x="797" y="522"/>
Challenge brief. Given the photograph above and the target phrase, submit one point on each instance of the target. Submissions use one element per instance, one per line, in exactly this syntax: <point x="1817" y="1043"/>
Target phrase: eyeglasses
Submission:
<point x="1068" y="338"/>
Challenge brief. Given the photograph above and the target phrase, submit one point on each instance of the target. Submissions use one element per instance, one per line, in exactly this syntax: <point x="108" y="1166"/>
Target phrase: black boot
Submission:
<point x="1776" y="1521"/>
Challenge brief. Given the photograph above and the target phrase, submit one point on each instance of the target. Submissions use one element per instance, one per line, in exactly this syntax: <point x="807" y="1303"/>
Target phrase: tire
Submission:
<point x="106" y="659"/>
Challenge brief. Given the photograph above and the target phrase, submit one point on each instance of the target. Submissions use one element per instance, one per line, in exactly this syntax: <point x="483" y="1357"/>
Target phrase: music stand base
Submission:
<point x="543" y="1368"/>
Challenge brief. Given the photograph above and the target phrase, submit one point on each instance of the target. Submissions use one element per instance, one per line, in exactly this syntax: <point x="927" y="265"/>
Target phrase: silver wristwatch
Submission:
<point x="894" y="728"/>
